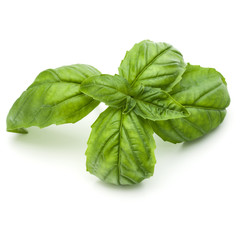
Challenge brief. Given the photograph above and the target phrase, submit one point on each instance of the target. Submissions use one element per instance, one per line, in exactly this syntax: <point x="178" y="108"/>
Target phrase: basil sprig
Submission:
<point x="155" y="91"/>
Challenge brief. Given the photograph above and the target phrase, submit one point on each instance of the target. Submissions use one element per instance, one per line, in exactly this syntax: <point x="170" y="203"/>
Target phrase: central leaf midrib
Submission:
<point x="119" y="147"/>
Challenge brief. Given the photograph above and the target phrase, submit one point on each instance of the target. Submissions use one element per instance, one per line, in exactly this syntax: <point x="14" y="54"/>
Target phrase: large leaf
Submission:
<point x="203" y="92"/>
<point x="149" y="103"/>
<point x="153" y="64"/>
<point x="53" y="98"/>
<point x="121" y="148"/>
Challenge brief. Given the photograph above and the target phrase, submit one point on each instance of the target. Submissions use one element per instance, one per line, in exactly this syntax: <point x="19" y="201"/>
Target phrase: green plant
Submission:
<point x="155" y="91"/>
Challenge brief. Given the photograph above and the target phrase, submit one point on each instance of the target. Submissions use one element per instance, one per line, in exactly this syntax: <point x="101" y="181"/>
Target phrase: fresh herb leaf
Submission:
<point x="156" y="104"/>
<point x="153" y="64"/>
<point x="53" y="98"/>
<point x="203" y="92"/>
<point x="112" y="90"/>
<point x="121" y="148"/>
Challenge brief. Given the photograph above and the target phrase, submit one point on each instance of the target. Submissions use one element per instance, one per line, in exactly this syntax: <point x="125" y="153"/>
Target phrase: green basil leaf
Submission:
<point x="155" y="104"/>
<point x="153" y="64"/>
<point x="112" y="90"/>
<point x="53" y="98"/>
<point x="121" y="148"/>
<point x="203" y="92"/>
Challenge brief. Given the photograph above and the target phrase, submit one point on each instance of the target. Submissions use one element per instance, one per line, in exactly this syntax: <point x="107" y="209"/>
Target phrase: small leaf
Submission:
<point x="53" y="98"/>
<point x="121" y="148"/>
<point x="203" y="92"/>
<point x="153" y="64"/>
<point x="112" y="90"/>
<point x="156" y="104"/>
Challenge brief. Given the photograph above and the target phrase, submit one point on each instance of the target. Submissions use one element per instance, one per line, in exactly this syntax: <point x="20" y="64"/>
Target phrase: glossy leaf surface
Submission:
<point x="121" y="148"/>
<point x="203" y="92"/>
<point x="153" y="64"/>
<point x="53" y="98"/>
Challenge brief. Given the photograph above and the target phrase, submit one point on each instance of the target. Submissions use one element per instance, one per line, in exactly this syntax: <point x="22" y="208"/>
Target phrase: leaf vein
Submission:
<point x="152" y="61"/>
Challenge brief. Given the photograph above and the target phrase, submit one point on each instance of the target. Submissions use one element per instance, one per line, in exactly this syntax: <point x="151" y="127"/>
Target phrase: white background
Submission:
<point x="45" y="191"/>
